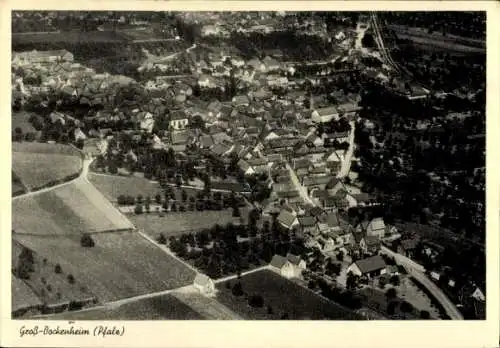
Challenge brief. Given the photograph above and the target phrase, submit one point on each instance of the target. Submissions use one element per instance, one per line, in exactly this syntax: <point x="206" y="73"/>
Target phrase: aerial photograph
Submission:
<point x="241" y="165"/>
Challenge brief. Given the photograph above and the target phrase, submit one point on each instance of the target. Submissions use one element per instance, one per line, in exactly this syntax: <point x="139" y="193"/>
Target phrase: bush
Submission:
<point x="138" y="209"/>
<point x="425" y="315"/>
<point x="238" y="289"/>
<point x="58" y="269"/>
<point x="391" y="293"/>
<point x="86" y="241"/>
<point x="162" y="239"/>
<point x="395" y="280"/>
<point x="49" y="287"/>
<point x="256" y="301"/>
<point x="71" y="279"/>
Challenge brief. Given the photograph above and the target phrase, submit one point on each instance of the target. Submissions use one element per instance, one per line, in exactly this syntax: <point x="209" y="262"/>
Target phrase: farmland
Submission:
<point x="114" y="186"/>
<point x="57" y="164"/>
<point x="283" y="296"/>
<point x="49" y="286"/>
<point x="67" y="37"/>
<point x="116" y="267"/>
<point x="71" y="209"/>
<point x="164" y="307"/>
<point x="174" y="224"/>
<point x="21" y="120"/>
<point x="22" y="296"/>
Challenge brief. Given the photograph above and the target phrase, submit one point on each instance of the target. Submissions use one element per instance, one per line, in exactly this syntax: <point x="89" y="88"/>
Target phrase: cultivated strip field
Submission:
<point x="283" y="296"/>
<point x="22" y="295"/>
<point x="71" y="209"/>
<point x="120" y="265"/>
<point x="210" y="308"/>
<point x="164" y="307"/>
<point x="39" y="165"/>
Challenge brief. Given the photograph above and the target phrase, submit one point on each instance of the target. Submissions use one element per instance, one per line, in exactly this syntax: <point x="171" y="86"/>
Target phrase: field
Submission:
<point x="114" y="186"/>
<point x="22" y="296"/>
<point x="47" y="285"/>
<point x="445" y="45"/>
<point x="68" y="210"/>
<point x="173" y="224"/>
<point x="164" y="307"/>
<point x="21" y="120"/>
<point x="39" y="165"/>
<point x="67" y="37"/>
<point x="283" y="296"/>
<point x="17" y="186"/>
<point x="120" y="265"/>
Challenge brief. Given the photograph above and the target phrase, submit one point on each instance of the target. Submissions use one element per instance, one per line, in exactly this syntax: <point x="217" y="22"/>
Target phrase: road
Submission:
<point x="302" y="190"/>
<point x="417" y="271"/>
<point x="234" y="276"/>
<point x="83" y="176"/>
<point x="154" y="59"/>
<point x="346" y="163"/>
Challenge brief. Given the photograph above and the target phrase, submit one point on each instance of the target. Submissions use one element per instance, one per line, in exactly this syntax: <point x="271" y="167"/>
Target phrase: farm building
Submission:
<point x="369" y="267"/>
<point x="204" y="284"/>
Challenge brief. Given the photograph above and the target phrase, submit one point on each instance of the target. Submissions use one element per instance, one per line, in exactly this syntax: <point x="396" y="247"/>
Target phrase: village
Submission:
<point x="278" y="135"/>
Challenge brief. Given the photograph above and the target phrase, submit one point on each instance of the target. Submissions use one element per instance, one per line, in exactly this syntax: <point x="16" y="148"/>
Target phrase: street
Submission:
<point x="417" y="271"/>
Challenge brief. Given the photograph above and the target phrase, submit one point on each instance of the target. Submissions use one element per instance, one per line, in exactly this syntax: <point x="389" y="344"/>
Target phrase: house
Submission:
<point x="271" y="64"/>
<point x="359" y="199"/>
<point x="326" y="244"/>
<point x="478" y="295"/>
<point x="376" y="227"/>
<point x="241" y="100"/>
<point x="208" y="30"/>
<point x="282" y="266"/>
<point x="256" y="64"/>
<point x="407" y="247"/>
<point x="315" y="182"/>
<point x="370" y="245"/>
<point x="178" y="120"/>
<point x="323" y="115"/>
<point x="308" y="224"/>
<point x="207" y="81"/>
<point x="334" y="186"/>
<point x="297" y="262"/>
<point x="370" y="267"/>
<point x="204" y="284"/>
<point x="287" y="219"/>
<point x="146" y="121"/>
<point x="331" y="138"/>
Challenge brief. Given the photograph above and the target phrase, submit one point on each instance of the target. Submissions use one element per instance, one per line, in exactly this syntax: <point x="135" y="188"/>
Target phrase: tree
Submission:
<point x="71" y="279"/>
<point x="340" y="256"/>
<point x="391" y="307"/>
<point x="406" y="307"/>
<point x="256" y="301"/>
<point x="174" y="207"/>
<point x="162" y="239"/>
<point x="86" y="241"/>
<point x="158" y="198"/>
<point x="270" y="310"/>
<point x="391" y="293"/>
<point x="184" y="195"/>
<point x="238" y="289"/>
<point x="352" y="280"/>
<point x="236" y="211"/>
<point x="395" y="280"/>
<point x="285" y="316"/>
<point x="138" y="209"/>
<point x="425" y="314"/>
<point x="58" y="269"/>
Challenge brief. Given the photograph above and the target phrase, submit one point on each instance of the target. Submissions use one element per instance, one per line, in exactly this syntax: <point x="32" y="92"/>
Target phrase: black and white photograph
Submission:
<point x="239" y="165"/>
